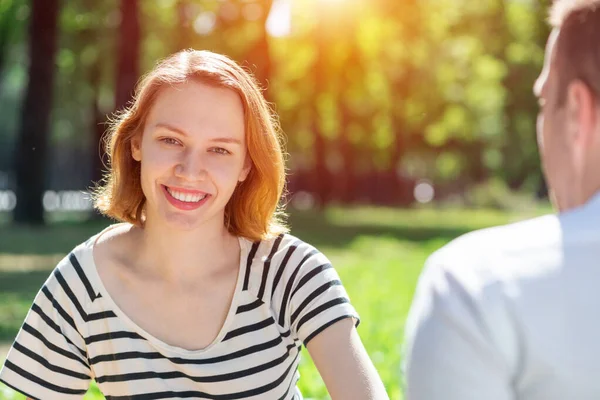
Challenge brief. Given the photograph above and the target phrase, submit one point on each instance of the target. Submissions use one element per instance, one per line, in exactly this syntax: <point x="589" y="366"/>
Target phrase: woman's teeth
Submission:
<point x="186" y="197"/>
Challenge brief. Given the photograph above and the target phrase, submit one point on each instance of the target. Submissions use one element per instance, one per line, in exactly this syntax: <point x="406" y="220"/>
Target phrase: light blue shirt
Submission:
<point x="510" y="312"/>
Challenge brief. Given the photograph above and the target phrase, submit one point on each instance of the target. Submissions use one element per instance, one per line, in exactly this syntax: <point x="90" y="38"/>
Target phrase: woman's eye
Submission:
<point x="169" y="140"/>
<point x="220" y="150"/>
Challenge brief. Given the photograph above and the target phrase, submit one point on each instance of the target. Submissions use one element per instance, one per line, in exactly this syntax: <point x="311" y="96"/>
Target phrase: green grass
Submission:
<point x="378" y="253"/>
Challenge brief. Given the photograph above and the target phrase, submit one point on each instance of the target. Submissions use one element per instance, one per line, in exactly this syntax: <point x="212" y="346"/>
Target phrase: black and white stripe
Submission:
<point x="288" y="293"/>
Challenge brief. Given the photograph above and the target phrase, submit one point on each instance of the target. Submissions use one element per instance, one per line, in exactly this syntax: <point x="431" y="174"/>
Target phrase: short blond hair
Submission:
<point x="577" y="54"/>
<point x="254" y="209"/>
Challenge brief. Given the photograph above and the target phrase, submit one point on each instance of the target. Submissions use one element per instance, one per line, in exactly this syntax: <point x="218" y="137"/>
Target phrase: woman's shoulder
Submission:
<point x="111" y="243"/>
<point x="283" y="241"/>
<point x="79" y="263"/>
<point x="286" y="249"/>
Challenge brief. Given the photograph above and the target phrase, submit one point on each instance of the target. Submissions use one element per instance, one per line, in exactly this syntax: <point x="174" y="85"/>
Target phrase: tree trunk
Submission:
<point x="321" y="180"/>
<point x="184" y="29"/>
<point x="260" y="54"/>
<point x="98" y="127"/>
<point x="404" y="86"/>
<point x="129" y="48"/>
<point x="7" y="26"/>
<point x="32" y="144"/>
<point x="348" y="175"/>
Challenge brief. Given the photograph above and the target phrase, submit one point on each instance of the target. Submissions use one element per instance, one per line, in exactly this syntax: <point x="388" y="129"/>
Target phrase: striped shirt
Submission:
<point x="286" y="293"/>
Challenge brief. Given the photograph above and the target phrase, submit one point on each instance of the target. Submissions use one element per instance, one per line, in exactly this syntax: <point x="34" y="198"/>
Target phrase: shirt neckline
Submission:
<point x="107" y="298"/>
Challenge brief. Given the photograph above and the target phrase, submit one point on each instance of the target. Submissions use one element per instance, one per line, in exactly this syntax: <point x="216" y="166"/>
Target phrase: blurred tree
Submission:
<point x="259" y="54"/>
<point x="30" y="157"/>
<point x="98" y="118"/>
<point x="347" y="174"/>
<point x="321" y="180"/>
<point x="127" y="72"/>
<point x="524" y="55"/>
<point x="240" y="31"/>
<point x="129" y="53"/>
<point x="13" y="30"/>
<point x="86" y="95"/>
<point x="184" y="28"/>
<point x="348" y="76"/>
<point x="8" y="24"/>
<point x="407" y="80"/>
<point x="482" y="59"/>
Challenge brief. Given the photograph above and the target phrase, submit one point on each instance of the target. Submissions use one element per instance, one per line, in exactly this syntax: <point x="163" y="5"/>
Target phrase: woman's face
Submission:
<point x="192" y="154"/>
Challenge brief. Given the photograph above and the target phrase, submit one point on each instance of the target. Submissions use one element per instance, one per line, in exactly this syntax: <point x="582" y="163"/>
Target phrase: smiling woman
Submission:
<point x="199" y="292"/>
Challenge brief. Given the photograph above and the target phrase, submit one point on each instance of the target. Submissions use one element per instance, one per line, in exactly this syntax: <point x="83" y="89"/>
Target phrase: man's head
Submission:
<point x="569" y="93"/>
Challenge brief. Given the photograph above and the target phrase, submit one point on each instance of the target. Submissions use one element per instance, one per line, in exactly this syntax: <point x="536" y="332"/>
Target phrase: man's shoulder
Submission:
<point x="525" y="235"/>
<point x="532" y="236"/>
<point x="499" y="253"/>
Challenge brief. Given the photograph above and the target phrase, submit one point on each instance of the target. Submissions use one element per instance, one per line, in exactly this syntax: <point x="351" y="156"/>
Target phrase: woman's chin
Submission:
<point x="185" y="222"/>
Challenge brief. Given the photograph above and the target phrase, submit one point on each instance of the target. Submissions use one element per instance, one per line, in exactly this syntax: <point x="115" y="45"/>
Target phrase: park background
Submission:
<point x="407" y="122"/>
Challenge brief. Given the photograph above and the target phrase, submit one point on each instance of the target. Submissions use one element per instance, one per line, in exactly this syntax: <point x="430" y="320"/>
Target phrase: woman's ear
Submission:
<point x="136" y="148"/>
<point x="246" y="170"/>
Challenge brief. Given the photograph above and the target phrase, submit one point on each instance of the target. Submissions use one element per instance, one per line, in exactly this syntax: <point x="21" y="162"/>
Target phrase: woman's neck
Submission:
<point x="186" y="255"/>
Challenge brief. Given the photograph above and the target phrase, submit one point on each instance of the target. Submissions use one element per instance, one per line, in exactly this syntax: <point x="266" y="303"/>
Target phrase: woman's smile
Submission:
<point x="185" y="199"/>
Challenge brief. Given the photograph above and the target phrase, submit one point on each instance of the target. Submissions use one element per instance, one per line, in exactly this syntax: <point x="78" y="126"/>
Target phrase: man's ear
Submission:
<point x="582" y="113"/>
<point x="581" y="123"/>
<point x="246" y="169"/>
<point x="136" y="148"/>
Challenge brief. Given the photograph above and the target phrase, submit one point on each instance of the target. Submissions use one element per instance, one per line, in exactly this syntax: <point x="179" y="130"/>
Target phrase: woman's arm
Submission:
<point x="344" y="363"/>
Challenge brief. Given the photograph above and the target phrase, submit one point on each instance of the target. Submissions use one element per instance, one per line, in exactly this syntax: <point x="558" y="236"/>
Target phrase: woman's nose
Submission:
<point x="191" y="167"/>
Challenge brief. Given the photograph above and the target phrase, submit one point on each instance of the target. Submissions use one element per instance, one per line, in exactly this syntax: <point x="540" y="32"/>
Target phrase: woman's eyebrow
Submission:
<point x="162" y="125"/>
<point x="228" y="140"/>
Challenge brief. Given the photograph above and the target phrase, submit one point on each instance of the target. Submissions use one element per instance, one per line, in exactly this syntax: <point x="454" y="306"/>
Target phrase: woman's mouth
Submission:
<point x="185" y="199"/>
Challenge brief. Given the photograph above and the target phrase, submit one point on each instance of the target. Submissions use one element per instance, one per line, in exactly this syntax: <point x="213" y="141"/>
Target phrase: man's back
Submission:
<point x="511" y="312"/>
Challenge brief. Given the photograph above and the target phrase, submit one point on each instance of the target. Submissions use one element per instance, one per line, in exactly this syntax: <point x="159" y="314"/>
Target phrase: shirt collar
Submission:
<point x="594" y="201"/>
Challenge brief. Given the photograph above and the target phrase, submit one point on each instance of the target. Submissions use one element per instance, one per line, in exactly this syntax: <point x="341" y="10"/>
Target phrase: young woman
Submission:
<point x="198" y="292"/>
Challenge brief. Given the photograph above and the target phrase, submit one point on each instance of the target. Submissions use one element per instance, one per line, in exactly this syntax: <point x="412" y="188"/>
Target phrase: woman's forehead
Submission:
<point x="193" y="104"/>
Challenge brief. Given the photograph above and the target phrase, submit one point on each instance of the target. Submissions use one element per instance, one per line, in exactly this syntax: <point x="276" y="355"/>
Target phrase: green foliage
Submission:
<point x="494" y="194"/>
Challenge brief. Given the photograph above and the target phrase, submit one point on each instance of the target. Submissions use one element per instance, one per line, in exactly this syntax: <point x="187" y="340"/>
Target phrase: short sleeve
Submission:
<point x="314" y="297"/>
<point x="48" y="359"/>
